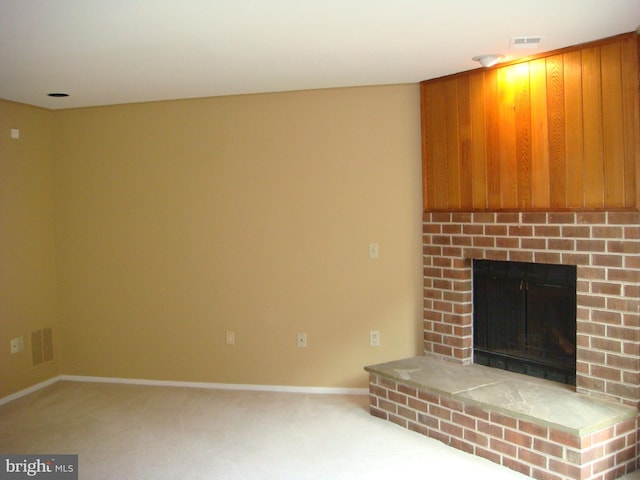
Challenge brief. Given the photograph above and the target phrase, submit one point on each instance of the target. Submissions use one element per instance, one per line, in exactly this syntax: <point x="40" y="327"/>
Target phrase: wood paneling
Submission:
<point x="522" y="111"/>
<point x="465" y="143"/>
<point x="507" y="79"/>
<point x="492" y="133"/>
<point x="574" y="133"/>
<point x="612" y="119"/>
<point x="560" y="131"/>
<point x="478" y="141"/>
<point x="631" y="114"/>
<point x="593" y="134"/>
<point x="452" y="144"/>
<point x="539" y="136"/>
<point x="556" y="121"/>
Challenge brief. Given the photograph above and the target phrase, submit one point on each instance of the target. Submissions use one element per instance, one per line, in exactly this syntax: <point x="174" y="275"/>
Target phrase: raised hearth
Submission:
<point x="542" y="429"/>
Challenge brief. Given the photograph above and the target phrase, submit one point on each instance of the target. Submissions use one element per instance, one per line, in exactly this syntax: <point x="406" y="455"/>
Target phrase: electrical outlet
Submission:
<point x="230" y="338"/>
<point x="17" y="344"/>
<point x="374" y="338"/>
<point x="301" y="340"/>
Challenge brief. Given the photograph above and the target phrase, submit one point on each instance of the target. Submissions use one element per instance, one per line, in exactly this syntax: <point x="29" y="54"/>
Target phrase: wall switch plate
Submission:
<point x="230" y="338"/>
<point x="17" y="344"/>
<point x="374" y="338"/>
<point x="374" y="251"/>
<point x="301" y="340"/>
<point x="15" y="133"/>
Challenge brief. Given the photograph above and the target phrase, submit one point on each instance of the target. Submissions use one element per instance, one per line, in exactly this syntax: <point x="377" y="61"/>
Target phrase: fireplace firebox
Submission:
<point x="524" y="318"/>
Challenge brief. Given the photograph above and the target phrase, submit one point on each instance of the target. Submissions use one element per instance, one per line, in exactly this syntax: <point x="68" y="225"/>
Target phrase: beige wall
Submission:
<point x="180" y="220"/>
<point x="176" y="221"/>
<point x="27" y="253"/>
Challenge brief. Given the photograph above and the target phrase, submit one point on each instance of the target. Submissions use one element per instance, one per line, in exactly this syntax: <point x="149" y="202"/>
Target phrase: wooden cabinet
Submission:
<point x="559" y="131"/>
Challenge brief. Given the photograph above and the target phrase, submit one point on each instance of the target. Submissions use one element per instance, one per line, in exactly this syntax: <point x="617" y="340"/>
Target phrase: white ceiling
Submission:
<point x="120" y="51"/>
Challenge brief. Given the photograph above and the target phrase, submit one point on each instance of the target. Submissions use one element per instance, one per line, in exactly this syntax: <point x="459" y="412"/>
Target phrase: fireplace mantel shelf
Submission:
<point x="541" y="402"/>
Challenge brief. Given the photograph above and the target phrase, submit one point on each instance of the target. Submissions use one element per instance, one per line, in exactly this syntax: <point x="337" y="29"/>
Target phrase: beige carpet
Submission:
<point x="145" y="432"/>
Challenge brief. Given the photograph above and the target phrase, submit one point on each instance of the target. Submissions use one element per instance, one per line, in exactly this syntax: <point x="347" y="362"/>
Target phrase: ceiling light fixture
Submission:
<point x="58" y="94"/>
<point x="488" y="60"/>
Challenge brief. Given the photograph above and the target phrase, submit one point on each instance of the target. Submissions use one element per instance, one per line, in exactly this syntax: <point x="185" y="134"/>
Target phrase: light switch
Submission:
<point x="373" y="251"/>
<point x="15" y="133"/>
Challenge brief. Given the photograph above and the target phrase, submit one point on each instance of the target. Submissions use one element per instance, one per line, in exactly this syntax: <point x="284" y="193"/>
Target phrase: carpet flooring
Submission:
<point x="148" y="432"/>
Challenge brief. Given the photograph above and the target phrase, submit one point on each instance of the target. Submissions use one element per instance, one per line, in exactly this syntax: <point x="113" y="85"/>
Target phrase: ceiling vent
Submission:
<point x="525" y="42"/>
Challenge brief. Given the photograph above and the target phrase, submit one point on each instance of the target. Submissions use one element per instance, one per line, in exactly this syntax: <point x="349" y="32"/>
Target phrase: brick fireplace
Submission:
<point x="533" y="161"/>
<point x="605" y="247"/>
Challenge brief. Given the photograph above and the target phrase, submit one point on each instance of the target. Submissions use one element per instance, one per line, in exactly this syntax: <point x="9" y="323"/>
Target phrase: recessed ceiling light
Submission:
<point x="58" y="94"/>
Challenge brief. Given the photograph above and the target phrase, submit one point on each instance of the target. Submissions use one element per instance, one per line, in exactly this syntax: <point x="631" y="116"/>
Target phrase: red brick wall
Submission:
<point x="535" y="450"/>
<point x="605" y="246"/>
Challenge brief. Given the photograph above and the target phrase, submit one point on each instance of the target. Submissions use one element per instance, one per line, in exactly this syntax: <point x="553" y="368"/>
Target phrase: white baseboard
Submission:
<point x="218" y="386"/>
<point x="28" y="390"/>
<point x="170" y="383"/>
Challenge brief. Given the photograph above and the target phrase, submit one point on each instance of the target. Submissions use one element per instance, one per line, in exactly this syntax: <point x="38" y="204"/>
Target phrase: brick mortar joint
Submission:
<point x="570" y="217"/>
<point x="516" y="251"/>
<point x="620" y="369"/>
<point x="533" y="249"/>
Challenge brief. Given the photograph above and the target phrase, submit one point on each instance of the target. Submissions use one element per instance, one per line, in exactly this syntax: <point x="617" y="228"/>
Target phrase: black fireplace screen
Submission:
<point x="524" y="318"/>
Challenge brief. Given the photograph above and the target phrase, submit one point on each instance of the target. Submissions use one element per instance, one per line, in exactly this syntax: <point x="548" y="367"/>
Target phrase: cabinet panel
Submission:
<point x="556" y="132"/>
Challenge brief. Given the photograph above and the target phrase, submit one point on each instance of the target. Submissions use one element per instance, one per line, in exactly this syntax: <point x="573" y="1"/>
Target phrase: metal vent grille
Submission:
<point x="525" y="42"/>
<point x="42" y="346"/>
